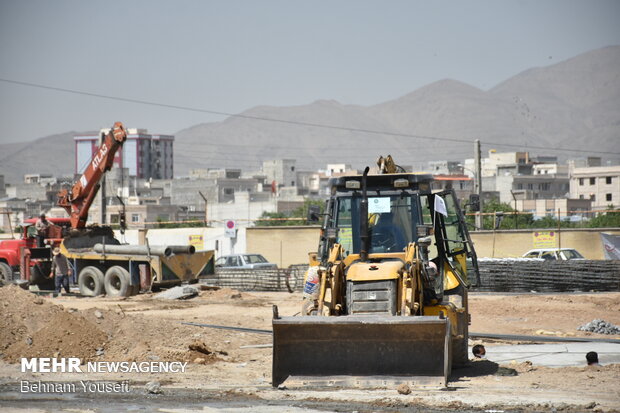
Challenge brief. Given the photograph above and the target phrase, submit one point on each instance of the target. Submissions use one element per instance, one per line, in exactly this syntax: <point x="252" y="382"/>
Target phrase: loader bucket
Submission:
<point x="359" y="349"/>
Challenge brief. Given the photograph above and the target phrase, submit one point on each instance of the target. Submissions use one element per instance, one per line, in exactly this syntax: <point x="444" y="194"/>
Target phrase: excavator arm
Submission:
<point x="77" y="200"/>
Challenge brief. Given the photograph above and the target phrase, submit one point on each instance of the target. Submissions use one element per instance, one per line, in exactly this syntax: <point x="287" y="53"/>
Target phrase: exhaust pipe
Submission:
<point x="364" y="220"/>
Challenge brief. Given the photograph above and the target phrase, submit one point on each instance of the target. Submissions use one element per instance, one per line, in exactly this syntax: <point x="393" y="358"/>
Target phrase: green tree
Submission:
<point x="270" y="219"/>
<point x="606" y="220"/>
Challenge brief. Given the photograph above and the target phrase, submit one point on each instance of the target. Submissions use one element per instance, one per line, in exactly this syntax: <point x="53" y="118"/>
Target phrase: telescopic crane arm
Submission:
<point x="79" y="198"/>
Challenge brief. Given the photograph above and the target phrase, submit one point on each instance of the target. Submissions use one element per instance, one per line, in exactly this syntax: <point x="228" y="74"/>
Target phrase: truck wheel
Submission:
<point x="6" y="273"/>
<point x="90" y="281"/>
<point x="117" y="282"/>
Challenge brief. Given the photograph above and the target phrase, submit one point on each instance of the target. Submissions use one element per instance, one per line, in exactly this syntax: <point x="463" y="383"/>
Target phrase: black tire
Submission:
<point x="116" y="282"/>
<point x="460" y="353"/>
<point x="39" y="276"/>
<point x="90" y="281"/>
<point x="6" y="273"/>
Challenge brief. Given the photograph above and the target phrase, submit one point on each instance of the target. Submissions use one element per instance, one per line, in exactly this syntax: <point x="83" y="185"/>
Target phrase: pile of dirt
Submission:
<point x="224" y="294"/>
<point x="34" y="327"/>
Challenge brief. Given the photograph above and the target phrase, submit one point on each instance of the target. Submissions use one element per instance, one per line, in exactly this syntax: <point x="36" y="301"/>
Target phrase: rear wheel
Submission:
<point x="117" y="282"/>
<point x="90" y="281"/>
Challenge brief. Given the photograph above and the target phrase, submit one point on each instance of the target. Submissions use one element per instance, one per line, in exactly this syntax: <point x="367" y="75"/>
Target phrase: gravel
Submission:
<point x="600" y="327"/>
<point x="178" y="293"/>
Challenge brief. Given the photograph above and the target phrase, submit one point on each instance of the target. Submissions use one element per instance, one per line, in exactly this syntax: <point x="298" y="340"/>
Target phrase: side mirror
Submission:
<point x="474" y="202"/>
<point x="314" y="213"/>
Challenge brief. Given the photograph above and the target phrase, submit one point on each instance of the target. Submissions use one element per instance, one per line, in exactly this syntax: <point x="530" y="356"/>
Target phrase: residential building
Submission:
<point x="511" y="162"/>
<point x="146" y="156"/>
<point x="445" y="167"/>
<point x="549" y="169"/>
<point x="280" y="171"/>
<point x="337" y="168"/>
<point x="40" y="179"/>
<point x="12" y="212"/>
<point x="550" y="207"/>
<point x="531" y="187"/>
<point x="599" y="184"/>
<point x="139" y="215"/>
<point x="462" y="185"/>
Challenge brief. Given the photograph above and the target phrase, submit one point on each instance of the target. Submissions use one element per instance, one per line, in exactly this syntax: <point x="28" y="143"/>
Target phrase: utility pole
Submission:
<point x="478" y="181"/>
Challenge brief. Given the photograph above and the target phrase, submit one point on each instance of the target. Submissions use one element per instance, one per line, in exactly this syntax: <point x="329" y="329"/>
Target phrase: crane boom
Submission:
<point x="79" y="198"/>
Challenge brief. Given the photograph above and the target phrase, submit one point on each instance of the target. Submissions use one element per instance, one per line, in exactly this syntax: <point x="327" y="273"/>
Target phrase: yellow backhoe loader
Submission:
<point x="385" y="296"/>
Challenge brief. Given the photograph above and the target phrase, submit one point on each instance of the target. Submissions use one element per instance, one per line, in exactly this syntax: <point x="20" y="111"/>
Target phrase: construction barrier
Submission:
<point x="514" y="275"/>
<point x="271" y="279"/>
<point x="496" y="275"/>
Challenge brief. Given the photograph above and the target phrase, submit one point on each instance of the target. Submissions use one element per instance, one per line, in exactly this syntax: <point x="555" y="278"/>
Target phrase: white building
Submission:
<point x="599" y="184"/>
<point x="145" y="156"/>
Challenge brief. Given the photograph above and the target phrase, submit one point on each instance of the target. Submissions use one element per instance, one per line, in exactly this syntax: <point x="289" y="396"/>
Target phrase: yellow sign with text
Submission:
<point x="197" y="241"/>
<point x="544" y="239"/>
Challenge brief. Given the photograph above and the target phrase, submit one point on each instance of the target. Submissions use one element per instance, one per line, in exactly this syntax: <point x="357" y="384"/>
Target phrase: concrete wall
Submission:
<point x="283" y="245"/>
<point x="290" y="245"/>
<point x="515" y="243"/>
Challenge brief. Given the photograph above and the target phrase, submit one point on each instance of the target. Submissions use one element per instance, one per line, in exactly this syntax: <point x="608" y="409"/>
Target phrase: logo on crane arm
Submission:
<point x="99" y="157"/>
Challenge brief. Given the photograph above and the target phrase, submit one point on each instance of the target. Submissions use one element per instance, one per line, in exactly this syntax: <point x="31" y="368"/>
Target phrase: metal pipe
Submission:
<point x="181" y="249"/>
<point x="161" y="250"/>
<point x="364" y="219"/>
<point x="243" y="329"/>
<point x="515" y="337"/>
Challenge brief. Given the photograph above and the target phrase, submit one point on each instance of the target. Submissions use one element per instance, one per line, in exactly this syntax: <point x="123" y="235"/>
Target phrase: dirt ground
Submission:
<point x="143" y="328"/>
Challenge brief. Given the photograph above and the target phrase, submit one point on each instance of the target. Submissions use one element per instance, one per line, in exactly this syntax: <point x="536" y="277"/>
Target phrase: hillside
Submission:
<point x="53" y="154"/>
<point x="559" y="106"/>
<point x="571" y="104"/>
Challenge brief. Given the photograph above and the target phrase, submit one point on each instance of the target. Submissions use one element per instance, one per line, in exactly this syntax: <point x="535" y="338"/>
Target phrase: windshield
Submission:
<point x="254" y="259"/>
<point x="391" y="222"/>
<point x="571" y="254"/>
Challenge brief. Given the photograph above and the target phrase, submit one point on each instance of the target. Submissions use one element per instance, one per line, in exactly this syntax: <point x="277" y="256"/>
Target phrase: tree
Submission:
<point x="607" y="220"/>
<point x="270" y="219"/>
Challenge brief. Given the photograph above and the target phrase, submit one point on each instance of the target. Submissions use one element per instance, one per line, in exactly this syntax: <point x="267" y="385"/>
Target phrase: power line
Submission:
<point x="291" y="122"/>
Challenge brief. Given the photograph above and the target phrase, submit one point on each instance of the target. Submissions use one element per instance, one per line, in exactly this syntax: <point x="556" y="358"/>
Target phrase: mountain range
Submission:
<point x="574" y="104"/>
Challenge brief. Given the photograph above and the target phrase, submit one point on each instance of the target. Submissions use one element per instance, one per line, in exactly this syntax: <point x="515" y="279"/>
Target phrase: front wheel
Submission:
<point x="90" y="281"/>
<point x="6" y="273"/>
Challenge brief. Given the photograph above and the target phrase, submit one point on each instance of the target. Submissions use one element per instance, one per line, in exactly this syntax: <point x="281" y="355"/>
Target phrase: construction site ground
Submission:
<point x="224" y="374"/>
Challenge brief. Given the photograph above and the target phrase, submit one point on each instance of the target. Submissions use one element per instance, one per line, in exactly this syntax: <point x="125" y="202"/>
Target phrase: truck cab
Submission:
<point x="22" y="255"/>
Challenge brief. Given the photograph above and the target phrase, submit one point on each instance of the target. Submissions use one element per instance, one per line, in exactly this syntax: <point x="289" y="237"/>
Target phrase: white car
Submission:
<point x="554" y="254"/>
<point x="243" y="262"/>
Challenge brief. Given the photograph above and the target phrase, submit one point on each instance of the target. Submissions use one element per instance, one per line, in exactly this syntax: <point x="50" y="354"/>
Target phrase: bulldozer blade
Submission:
<point x="411" y="348"/>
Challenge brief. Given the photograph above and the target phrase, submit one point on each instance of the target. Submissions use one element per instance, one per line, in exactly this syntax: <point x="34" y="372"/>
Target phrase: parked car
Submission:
<point x="243" y="262"/>
<point x="554" y="254"/>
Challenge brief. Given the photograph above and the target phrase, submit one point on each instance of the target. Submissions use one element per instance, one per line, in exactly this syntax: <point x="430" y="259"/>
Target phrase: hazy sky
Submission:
<point x="229" y="56"/>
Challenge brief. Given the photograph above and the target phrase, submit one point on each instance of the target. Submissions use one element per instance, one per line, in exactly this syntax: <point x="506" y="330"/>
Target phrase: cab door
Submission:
<point x="453" y="238"/>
